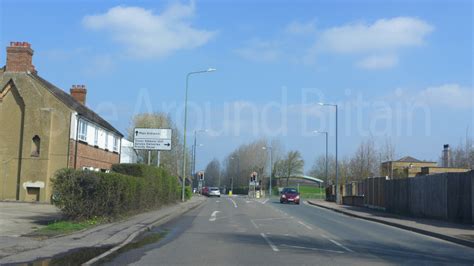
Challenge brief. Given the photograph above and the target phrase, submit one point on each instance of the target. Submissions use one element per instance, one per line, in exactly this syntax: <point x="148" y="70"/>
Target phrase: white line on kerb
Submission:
<point x="213" y="216"/>
<point x="269" y="242"/>
<point x="340" y="245"/>
<point x="235" y="204"/>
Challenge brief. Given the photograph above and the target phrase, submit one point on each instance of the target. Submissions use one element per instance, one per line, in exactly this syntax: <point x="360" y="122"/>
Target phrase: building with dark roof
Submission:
<point x="43" y="129"/>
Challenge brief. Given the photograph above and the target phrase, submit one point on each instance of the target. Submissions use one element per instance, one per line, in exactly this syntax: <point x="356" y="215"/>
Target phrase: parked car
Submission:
<point x="205" y="191"/>
<point x="289" y="195"/>
<point x="214" y="192"/>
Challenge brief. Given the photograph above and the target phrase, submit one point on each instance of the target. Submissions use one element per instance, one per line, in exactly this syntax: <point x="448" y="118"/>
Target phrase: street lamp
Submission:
<point x="326" y="160"/>
<point x="194" y="149"/>
<point x="185" y="124"/>
<point x="270" y="148"/>
<point x="337" y="166"/>
<point x="238" y="172"/>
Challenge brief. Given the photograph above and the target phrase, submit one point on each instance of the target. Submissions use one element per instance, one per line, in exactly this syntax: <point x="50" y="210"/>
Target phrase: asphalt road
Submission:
<point x="241" y="231"/>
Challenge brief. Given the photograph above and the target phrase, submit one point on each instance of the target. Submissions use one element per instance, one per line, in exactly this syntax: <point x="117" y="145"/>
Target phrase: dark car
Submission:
<point x="205" y="191"/>
<point x="289" y="195"/>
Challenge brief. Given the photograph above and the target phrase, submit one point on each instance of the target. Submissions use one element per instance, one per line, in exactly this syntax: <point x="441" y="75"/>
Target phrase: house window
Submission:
<point x="116" y="140"/>
<point x="35" y="146"/>
<point x="96" y="137"/>
<point x="82" y="134"/>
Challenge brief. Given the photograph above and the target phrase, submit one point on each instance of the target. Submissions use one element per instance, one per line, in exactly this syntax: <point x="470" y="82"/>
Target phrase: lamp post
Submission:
<point x="326" y="160"/>
<point x="270" y="148"/>
<point x="337" y="164"/>
<point x="238" y="172"/>
<point x="185" y="124"/>
<point x="195" y="150"/>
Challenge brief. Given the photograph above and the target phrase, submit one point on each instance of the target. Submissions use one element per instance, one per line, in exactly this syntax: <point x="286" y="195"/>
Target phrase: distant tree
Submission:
<point x="462" y="156"/>
<point x="213" y="173"/>
<point x="292" y="165"/>
<point x="170" y="160"/>
<point x="365" y="162"/>
<point x="247" y="158"/>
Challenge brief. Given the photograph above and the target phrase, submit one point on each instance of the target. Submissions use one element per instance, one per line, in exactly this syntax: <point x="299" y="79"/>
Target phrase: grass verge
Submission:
<point x="65" y="227"/>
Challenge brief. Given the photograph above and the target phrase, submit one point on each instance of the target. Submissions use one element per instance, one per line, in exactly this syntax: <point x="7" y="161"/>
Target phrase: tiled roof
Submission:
<point x="409" y="159"/>
<point x="70" y="102"/>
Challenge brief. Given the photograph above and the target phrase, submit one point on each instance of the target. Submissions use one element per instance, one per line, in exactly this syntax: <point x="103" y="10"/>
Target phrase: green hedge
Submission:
<point x="128" y="188"/>
<point x="240" y="191"/>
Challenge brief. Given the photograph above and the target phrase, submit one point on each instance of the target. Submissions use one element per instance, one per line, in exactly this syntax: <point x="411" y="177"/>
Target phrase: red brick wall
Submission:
<point x="89" y="156"/>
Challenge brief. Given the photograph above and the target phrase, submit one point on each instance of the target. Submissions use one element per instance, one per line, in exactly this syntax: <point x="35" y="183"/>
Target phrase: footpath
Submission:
<point x="462" y="234"/>
<point x="25" y="249"/>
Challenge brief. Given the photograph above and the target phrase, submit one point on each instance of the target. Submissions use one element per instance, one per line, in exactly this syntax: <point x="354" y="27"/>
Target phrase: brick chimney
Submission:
<point x="20" y="57"/>
<point x="446" y="156"/>
<point x="79" y="93"/>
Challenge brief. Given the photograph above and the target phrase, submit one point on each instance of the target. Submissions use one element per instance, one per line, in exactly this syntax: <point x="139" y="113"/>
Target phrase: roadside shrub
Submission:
<point x="188" y="193"/>
<point x="240" y="191"/>
<point x="128" y="188"/>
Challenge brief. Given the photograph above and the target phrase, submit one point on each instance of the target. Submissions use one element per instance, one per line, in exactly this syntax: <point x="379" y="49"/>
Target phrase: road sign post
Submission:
<point x="152" y="139"/>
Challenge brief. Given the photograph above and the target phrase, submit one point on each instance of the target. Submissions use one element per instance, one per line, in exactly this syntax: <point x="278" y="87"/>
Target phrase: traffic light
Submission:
<point x="201" y="175"/>
<point x="253" y="177"/>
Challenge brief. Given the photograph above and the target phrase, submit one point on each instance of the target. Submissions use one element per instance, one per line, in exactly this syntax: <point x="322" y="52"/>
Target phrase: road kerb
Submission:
<point x="401" y="226"/>
<point x="148" y="227"/>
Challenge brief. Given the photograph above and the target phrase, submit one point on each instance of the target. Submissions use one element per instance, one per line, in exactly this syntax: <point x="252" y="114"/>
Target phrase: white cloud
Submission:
<point x="383" y="35"/>
<point x="378" y="62"/>
<point x="378" y="44"/>
<point x="260" y="51"/>
<point x="146" y="34"/>
<point x="452" y="96"/>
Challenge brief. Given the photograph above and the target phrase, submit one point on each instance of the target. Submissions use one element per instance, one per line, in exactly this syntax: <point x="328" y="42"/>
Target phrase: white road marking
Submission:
<point x="269" y="242"/>
<point x="213" y="216"/>
<point x="217" y="201"/>
<point x="305" y="225"/>
<point x="315" y="249"/>
<point x="265" y="201"/>
<point x="235" y="204"/>
<point x="337" y="243"/>
<point x="254" y="224"/>
<point x="340" y="245"/>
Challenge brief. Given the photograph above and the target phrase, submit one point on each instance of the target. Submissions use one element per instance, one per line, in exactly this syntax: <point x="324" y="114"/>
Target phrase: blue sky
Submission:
<point x="401" y="70"/>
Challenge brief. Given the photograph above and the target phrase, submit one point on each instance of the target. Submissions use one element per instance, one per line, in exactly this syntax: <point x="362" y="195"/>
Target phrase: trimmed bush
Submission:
<point x="240" y="191"/>
<point x="128" y="188"/>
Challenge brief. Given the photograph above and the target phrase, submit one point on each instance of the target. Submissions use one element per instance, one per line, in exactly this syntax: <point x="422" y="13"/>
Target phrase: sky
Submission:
<point x="399" y="71"/>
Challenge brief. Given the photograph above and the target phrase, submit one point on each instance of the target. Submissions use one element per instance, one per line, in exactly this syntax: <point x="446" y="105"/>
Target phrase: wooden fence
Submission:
<point x="446" y="196"/>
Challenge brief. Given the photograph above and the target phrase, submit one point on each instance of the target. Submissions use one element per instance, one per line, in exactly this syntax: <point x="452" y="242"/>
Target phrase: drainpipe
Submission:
<point x="77" y="138"/>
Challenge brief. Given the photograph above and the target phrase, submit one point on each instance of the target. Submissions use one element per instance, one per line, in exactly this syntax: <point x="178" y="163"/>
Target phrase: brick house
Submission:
<point x="404" y="167"/>
<point x="43" y="129"/>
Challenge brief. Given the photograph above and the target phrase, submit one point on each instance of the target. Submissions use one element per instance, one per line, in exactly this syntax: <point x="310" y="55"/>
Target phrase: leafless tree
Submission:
<point x="364" y="163"/>
<point x="463" y="154"/>
<point x="291" y="165"/>
<point x="213" y="173"/>
<point x="170" y="160"/>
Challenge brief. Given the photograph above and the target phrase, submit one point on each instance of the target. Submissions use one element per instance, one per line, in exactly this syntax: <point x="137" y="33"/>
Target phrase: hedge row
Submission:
<point x="128" y="188"/>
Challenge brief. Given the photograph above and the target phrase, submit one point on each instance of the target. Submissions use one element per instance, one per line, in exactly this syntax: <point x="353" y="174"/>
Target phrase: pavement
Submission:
<point x="21" y="249"/>
<point x="242" y="231"/>
<point x="458" y="233"/>
<point x="18" y="218"/>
